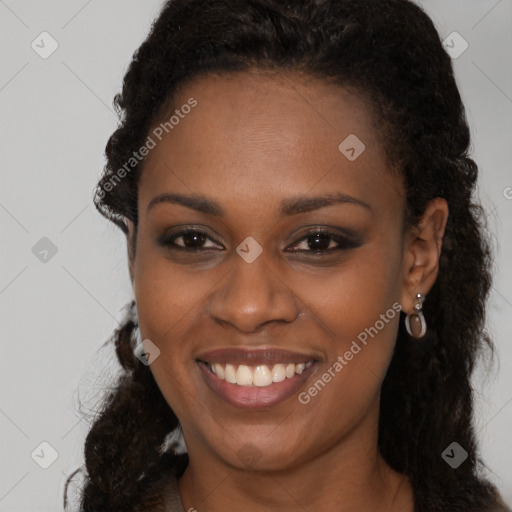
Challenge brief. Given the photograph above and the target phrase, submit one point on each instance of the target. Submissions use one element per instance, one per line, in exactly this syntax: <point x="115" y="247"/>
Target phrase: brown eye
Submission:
<point x="189" y="240"/>
<point x="193" y="239"/>
<point x="321" y="241"/>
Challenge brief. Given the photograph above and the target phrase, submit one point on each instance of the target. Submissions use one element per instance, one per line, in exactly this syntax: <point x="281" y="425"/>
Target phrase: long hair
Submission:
<point x="390" y="52"/>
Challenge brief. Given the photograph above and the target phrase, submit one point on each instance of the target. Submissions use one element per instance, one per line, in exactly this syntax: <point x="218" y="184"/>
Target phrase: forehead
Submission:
<point x="257" y="136"/>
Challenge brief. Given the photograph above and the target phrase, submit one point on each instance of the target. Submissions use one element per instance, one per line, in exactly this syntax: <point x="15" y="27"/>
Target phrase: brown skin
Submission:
<point x="252" y="141"/>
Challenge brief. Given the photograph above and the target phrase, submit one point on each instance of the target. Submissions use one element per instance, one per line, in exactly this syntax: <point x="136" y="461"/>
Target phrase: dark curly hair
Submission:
<point x="390" y="53"/>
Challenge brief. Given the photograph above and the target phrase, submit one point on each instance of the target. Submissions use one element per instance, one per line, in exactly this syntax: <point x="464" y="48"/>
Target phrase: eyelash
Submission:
<point x="344" y="242"/>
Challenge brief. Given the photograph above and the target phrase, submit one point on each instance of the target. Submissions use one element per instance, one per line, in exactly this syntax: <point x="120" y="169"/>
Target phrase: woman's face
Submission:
<point x="263" y="152"/>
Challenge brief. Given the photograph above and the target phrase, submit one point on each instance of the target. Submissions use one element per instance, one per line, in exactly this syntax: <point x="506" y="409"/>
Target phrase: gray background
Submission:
<point x="56" y="117"/>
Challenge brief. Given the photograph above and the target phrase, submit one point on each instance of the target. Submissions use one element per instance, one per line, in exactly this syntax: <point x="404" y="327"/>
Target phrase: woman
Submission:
<point x="309" y="266"/>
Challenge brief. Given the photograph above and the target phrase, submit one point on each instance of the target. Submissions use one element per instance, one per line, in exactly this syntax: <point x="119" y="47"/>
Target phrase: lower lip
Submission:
<point x="254" y="397"/>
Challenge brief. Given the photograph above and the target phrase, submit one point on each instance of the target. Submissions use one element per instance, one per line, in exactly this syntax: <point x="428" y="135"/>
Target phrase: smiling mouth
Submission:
<point x="256" y="376"/>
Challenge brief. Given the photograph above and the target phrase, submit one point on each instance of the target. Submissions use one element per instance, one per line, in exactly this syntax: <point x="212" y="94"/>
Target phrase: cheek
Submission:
<point x="362" y="317"/>
<point x="359" y="306"/>
<point x="351" y="298"/>
<point x="167" y="294"/>
<point x="167" y="300"/>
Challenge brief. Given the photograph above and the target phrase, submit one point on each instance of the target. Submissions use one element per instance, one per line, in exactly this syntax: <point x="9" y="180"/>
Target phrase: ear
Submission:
<point x="422" y="249"/>
<point x="131" y="240"/>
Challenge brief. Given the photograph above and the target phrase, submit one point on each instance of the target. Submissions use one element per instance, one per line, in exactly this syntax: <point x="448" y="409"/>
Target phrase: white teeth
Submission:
<point x="260" y="376"/>
<point x="278" y="373"/>
<point x="244" y="375"/>
<point x="218" y="370"/>
<point x="299" y="368"/>
<point x="290" y="370"/>
<point x="230" y="374"/>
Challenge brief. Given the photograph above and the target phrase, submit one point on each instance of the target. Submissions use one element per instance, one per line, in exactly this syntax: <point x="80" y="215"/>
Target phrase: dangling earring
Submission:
<point x="415" y="322"/>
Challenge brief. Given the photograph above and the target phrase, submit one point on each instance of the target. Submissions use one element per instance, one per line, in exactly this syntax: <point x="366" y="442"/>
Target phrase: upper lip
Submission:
<point x="267" y="355"/>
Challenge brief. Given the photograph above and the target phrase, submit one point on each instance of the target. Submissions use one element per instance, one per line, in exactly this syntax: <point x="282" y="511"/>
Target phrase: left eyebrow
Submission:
<point x="291" y="206"/>
<point x="303" y="204"/>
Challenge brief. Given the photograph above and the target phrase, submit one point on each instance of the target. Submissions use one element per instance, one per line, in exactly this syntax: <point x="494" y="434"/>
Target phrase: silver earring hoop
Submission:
<point x="415" y="322"/>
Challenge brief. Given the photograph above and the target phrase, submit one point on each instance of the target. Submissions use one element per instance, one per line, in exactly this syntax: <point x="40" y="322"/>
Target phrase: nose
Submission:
<point x="252" y="295"/>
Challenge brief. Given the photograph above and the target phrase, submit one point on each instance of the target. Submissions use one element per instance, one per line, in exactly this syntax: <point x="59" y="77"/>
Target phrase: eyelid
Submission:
<point x="339" y="232"/>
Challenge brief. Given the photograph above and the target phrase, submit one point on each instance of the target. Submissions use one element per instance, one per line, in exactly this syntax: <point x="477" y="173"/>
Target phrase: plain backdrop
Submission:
<point x="63" y="270"/>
